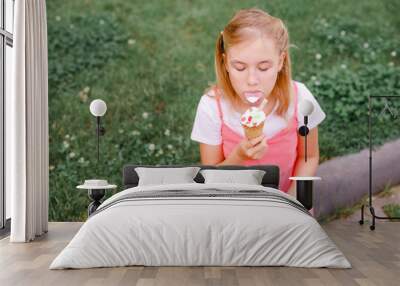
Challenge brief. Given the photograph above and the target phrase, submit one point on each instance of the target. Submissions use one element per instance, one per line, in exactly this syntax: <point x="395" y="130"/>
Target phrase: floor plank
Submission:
<point x="374" y="255"/>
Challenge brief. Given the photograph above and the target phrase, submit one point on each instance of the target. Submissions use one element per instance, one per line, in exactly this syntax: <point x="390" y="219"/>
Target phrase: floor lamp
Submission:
<point x="370" y="206"/>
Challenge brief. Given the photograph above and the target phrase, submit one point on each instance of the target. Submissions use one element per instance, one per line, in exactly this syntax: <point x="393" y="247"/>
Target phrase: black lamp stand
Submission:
<point x="100" y="131"/>
<point x="303" y="131"/>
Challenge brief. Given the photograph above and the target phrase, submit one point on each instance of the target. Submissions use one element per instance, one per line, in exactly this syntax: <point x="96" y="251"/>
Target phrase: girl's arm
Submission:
<point x="245" y="150"/>
<point x="214" y="155"/>
<point x="309" y="168"/>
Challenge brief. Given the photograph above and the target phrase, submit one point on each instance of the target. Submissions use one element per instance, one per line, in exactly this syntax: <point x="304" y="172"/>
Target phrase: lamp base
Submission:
<point x="304" y="190"/>
<point x="95" y="195"/>
<point x="304" y="193"/>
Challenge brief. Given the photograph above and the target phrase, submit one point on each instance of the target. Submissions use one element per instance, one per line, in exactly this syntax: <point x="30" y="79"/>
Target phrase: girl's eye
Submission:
<point x="243" y="68"/>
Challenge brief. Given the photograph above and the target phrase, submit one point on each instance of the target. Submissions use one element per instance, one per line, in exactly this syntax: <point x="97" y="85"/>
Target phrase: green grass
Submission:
<point x="392" y="210"/>
<point x="157" y="57"/>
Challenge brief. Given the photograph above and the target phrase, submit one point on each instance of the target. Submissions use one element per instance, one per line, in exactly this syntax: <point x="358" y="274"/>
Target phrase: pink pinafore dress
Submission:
<point x="282" y="147"/>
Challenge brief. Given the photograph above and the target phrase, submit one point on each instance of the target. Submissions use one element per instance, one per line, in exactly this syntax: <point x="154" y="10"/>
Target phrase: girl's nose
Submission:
<point x="252" y="78"/>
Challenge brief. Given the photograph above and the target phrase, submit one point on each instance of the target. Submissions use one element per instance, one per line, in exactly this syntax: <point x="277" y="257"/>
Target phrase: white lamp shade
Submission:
<point x="98" y="107"/>
<point x="306" y="107"/>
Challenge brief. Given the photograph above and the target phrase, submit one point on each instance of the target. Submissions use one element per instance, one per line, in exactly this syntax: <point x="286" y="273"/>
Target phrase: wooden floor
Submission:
<point x="374" y="255"/>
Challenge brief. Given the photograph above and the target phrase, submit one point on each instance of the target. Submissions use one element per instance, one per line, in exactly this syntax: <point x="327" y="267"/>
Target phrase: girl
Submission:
<point x="252" y="63"/>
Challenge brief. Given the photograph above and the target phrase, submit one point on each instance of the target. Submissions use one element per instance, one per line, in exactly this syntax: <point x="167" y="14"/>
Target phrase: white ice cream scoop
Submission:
<point x="253" y="97"/>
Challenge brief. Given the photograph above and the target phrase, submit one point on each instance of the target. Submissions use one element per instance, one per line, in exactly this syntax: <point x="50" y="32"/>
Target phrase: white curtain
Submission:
<point x="27" y="147"/>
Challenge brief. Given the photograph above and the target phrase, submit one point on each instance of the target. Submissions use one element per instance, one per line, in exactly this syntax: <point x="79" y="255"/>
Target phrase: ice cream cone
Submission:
<point x="253" y="132"/>
<point x="253" y="122"/>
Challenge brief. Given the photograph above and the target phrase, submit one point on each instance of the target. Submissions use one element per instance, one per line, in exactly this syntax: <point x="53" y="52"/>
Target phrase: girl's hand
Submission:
<point x="253" y="149"/>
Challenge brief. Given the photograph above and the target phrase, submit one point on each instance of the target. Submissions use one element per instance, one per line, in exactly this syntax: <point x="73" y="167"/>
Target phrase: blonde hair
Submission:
<point x="234" y="33"/>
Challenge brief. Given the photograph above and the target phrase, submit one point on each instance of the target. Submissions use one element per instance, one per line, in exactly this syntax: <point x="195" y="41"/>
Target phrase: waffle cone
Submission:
<point x="253" y="132"/>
